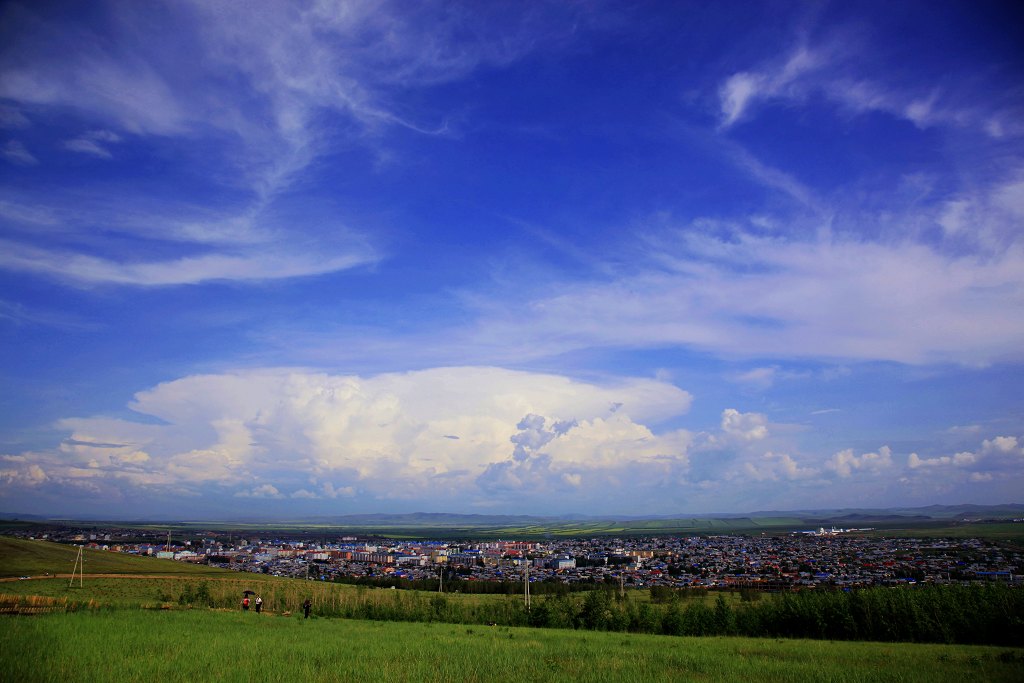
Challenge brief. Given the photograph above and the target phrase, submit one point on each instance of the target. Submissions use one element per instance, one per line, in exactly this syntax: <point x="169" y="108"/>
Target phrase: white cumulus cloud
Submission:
<point x="999" y="459"/>
<point x="744" y="426"/>
<point x="283" y="433"/>
<point x="775" y="467"/>
<point x="845" y="462"/>
<point x="264" y="491"/>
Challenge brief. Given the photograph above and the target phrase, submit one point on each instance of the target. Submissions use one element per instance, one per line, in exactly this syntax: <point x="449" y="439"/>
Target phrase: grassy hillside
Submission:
<point x="148" y="582"/>
<point x="229" y="646"/>
<point x="19" y="557"/>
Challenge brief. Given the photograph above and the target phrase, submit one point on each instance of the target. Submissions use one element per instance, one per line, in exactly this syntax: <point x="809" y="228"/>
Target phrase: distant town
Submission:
<point x="831" y="558"/>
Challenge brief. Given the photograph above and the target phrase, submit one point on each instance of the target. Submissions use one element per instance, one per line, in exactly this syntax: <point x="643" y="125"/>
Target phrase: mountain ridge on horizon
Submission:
<point x="935" y="512"/>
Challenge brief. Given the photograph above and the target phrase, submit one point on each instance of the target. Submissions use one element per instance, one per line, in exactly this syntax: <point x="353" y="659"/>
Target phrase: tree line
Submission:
<point x="990" y="614"/>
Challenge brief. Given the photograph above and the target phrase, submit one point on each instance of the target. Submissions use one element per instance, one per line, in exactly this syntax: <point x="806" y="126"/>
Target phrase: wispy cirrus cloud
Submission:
<point x="13" y="119"/>
<point x="254" y="95"/>
<point x="16" y="153"/>
<point x="288" y="81"/>
<point x="94" y="143"/>
<point x="21" y="315"/>
<point x="938" y="280"/>
<point x="784" y="80"/>
<point x="242" y="263"/>
<point x="127" y="93"/>
<point x="833" y="68"/>
<point x="760" y="296"/>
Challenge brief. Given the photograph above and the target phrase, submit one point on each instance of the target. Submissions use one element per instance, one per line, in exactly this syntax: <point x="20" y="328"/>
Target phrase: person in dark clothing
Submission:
<point x="305" y="608"/>
<point x="259" y="604"/>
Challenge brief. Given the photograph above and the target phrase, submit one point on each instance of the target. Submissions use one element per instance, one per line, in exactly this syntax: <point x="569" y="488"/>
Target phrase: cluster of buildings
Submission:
<point x="764" y="562"/>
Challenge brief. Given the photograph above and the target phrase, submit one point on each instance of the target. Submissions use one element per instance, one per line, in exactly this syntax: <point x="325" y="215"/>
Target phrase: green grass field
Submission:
<point x="19" y="557"/>
<point x="230" y="646"/>
<point x="1007" y="532"/>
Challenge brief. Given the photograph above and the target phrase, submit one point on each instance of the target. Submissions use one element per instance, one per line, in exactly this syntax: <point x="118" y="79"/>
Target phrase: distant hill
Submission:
<point x="431" y="519"/>
<point x="462" y="525"/>
<point x="23" y="517"/>
<point x="931" y="512"/>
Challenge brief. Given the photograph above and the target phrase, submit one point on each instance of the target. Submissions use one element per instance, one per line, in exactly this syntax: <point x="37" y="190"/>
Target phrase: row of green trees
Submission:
<point x="990" y="614"/>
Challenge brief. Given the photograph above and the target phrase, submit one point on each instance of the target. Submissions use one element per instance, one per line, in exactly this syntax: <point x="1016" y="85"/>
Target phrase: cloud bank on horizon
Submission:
<point x="325" y="257"/>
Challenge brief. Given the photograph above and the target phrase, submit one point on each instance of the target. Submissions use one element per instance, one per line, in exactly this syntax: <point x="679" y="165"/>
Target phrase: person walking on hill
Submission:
<point x="305" y="608"/>
<point x="245" y="604"/>
<point x="259" y="604"/>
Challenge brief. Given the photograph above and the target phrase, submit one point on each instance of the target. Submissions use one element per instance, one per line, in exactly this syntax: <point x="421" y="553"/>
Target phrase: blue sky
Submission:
<point x="285" y="259"/>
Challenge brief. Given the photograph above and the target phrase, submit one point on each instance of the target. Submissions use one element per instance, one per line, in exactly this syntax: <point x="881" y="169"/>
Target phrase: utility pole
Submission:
<point x="79" y="567"/>
<point x="440" y="583"/>
<point x="526" y="581"/>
